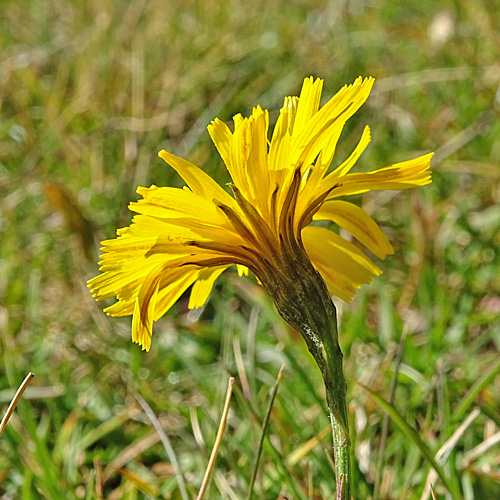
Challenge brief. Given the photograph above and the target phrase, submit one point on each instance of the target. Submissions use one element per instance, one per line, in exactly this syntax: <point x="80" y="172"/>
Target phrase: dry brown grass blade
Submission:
<point x="138" y="482"/>
<point x="98" y="478"/>
<point x="64" y="203"/>
<point x="445" y="450"/>
<point x="432" y="492"/>
<point x="240" y="365"/>
<point x="218" y="440"/>
<point x="128" y="454"/>
<point x="463" y="137"/>
<point x="15" y="400"/>
<point x="305" y="448"/>
<point x="478" y="450"/>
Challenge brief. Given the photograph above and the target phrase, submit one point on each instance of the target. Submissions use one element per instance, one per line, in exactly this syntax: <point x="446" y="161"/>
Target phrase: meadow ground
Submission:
<point x="89" y="93"/>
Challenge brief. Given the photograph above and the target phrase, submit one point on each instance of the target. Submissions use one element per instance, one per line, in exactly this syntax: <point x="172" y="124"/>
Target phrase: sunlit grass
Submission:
<point x="89" y="94"/>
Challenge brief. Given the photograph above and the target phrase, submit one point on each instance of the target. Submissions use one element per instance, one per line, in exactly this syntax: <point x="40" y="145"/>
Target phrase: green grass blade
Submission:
<point x="476" y="388"/>
<point x="412" y="434"/>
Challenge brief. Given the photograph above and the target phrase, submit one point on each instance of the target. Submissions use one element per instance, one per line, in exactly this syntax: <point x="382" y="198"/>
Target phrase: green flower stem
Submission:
<point x="336" y="389"/>
<point x="302" y="299"/>
<point x="328" y="356"/>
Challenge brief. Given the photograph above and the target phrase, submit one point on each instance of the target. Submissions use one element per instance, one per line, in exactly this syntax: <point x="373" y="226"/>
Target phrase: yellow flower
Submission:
<point x="189" y="236"/>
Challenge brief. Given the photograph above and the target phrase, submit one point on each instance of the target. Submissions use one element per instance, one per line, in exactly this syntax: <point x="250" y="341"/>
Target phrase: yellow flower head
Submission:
<point x="189" y="236"/>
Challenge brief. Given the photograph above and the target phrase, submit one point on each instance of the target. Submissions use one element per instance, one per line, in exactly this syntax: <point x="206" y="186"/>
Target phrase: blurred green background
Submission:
<point x="89" y="93"/>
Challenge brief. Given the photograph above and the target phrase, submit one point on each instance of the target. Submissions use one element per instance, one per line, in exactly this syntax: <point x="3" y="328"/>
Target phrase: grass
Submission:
<point x="88" y="94"/>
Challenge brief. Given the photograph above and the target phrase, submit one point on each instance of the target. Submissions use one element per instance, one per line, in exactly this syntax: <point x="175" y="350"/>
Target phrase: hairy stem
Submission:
<point x="327" y="354"/>
<point x="302" y="299"/>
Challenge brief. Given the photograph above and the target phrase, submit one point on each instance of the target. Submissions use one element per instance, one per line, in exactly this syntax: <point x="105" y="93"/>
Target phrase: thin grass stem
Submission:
<point x="218" y="441"/>
<point x="263" y="433"/>
<point x="166" y="444"/>
<point x="15" y="400"/>
<point x="385" y="422"/>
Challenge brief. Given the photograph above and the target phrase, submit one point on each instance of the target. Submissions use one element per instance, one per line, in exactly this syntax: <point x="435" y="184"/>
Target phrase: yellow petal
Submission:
<point x="121" y="308"/>
<point x="257" y="169"/>
<point x="170" y="293"/>
<point x="143" y="245"/>
<point x="237" y="120"/>
<point x="222" y="138"/>
<point x="402" y="175"/>
<point x="357" y="222"/>
<point x="242" y="270"/>
<point x="344" y="267"/>
<point x="241" y="147"/>
<point x="325" y="124"/>
<point x="280" y="171"/>
<point x="245" y="155"/>
<point x="172" y="203"/>
<point x="175" y="234"/>
<point x="198" y="181"/>
<point x="316" y="187"/>
<point x="203" y="286"/>
<point x="109" y="284"/>
<point x="309" y="99"/>
<point x="123" y="274"/>
<point x="279" y="149"/>
<point x="142" y="322"/>
<point x="345" y="167"/>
